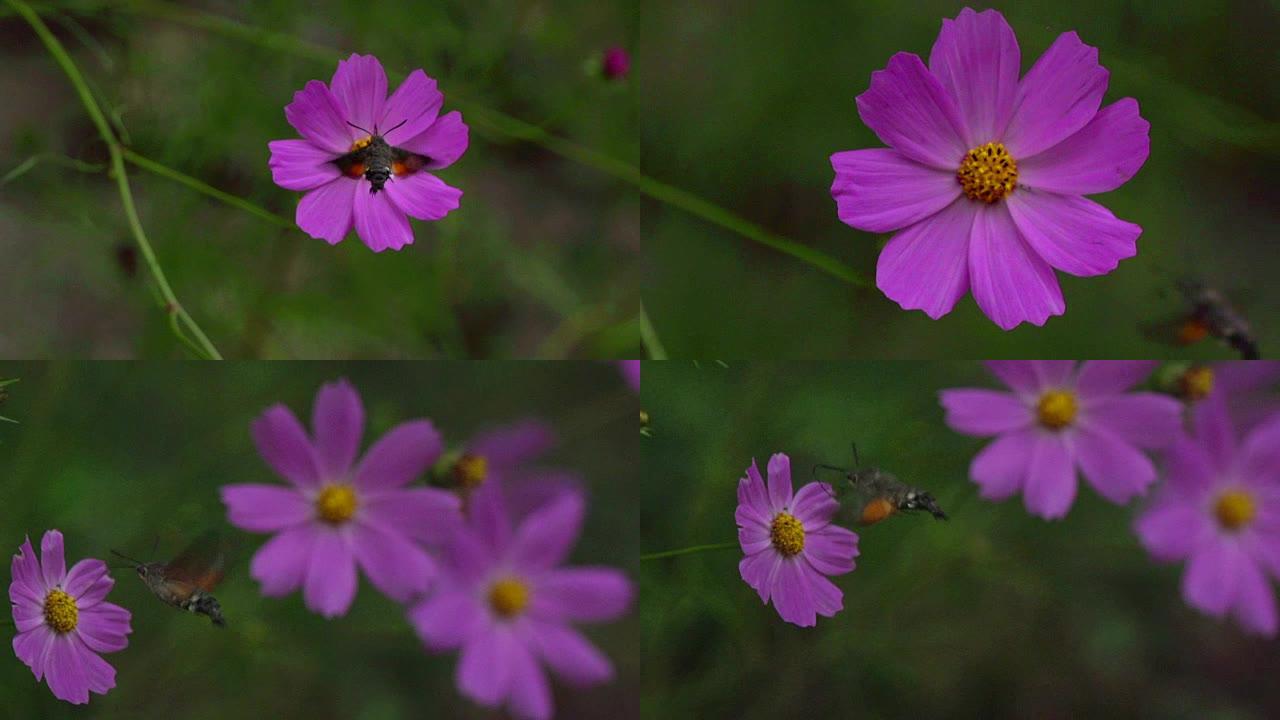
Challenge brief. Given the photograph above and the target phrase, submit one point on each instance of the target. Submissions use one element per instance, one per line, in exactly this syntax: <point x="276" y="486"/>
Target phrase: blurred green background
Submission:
<point x="118" y="455"/>
<point x="994" y="614"/>
<point x="745" y="102"/>
<point x="539" y="260"/>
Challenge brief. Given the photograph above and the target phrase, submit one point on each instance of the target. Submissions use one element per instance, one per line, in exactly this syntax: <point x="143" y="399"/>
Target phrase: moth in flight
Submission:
<point x="187" y="581"/>
<point x="869" y="495"/>
<point x="1206" y="313"/>
<point x="377" y="160"/>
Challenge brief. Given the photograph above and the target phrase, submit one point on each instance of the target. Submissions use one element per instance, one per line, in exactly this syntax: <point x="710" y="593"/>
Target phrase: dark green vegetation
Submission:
<point x="745" y="103"/>
<point x="993" y="614"/>
<point x="539" y="260"/>
<point x="119" y="456"/>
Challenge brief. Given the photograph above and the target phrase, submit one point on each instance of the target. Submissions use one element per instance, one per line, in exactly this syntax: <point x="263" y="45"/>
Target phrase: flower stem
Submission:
<point x="649" y="337"/>
<point x="181" y="322"/>
<point x="689" y="550"/>
<point x="201" y="187"/>
<point x="484" y="119"/>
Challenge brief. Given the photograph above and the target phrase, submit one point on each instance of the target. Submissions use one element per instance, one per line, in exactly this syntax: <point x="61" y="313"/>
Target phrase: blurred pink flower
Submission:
<point x="337" y="513"/>
<point x="631" y="371"/>
<point x="1245" y="384"/>
<point x="791" y="545"/>
<point x="985" y="175"/>
<point x="505" y="455"/>
<point x="507" y="602"/>
<point x="64" y="621"/>
<point x="1060" y="417"/>
<point x="408" y="136"/>
<point x="617" y="63"/>
<point x="1219" y="509"/>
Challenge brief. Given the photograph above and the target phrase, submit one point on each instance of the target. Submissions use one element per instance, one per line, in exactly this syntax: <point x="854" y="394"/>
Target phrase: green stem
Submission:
<point x="201" y="187"/>
<point x="482" y="118"/>
<point x="649" y="337"/>
<point x="174" y="308"/>
<point x="689" y="550"/>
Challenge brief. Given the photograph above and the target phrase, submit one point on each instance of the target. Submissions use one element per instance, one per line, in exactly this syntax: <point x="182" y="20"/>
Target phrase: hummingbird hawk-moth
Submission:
<point x="187" y="581"/>
<point x="869" y="495"/>
<point x="377" y="160"/>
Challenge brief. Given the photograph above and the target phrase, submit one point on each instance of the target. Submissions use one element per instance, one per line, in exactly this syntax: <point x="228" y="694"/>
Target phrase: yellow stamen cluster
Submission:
<point x="988" y="173"/>
<point x="336" y="503"/>
<point x="470" y="471"/>
<point x="60" y="611"/>
<point x="1196" y="383"/>
<point x="1235" y="509"/>
<point x="509" y="597"/>
<point x="1056" y="409"/>
<point x="787" y="534"/>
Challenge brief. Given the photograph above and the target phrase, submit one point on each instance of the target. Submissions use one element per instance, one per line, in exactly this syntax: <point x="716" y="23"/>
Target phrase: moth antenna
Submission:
<point x="856" y="461"/>
<point x="359" y="128"/>
<point x="117" y="553"/>
<point x="397" y="125"/>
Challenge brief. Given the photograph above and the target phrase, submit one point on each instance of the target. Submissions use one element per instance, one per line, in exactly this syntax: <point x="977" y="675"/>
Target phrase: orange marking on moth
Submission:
<point x="355" y="170"/>
<point x="1192" y="331"/>
<point x="876" y="510"/>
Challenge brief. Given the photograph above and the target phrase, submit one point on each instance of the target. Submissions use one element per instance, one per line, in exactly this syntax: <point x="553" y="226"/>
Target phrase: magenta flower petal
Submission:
<point x="417" y="104"/>
<point x="1170" y="531"/>
<point x="1213" y="429"/>
<point x="380" y="224"/>
<point x="1000" y="470"/>
<point x="1261" y="449"/>
<point x="1104" y="155"/>
<point x="444" y="142"/>
<point x="327" y="213"/>
<point x="925" y="267"/>
<point x="984" y="412"/>
<point x="1010" y="282"/>
<point x="316" y="114"/>
<point x="1073" y="234"/>
<point x="1145" y="420"/>
<point x="752" y="493"/>
<point x="281" y="564"/>
<point x="912" y="113"/>
<point x="530" y="692"/>
<point x="1107" y="377"/>
<point x="1059" y="95"/>
<point x="792" y="595"/>
<point x="29" y="647"/>
<point x="1051" y="479"/>
<point x="758" y="572"/>
<point x="513" y="444"/>
<point x="814" y="505"/>
<point x="546" y="536"/>
<point x="84" y="575"/>
<point x="827" y="598"/>
<point x="1210" y="580"/>
<point x="283" y="443"/>
<point x="265" y="508"/>
<point x="360" y="86"/>
<point x="976" y="59"/>
<point x="879" y="190"/>
<point x="399" y="568"/>
<point x="401" y="455"/>
<point x="780" y="492"/>
<point x="27" y="578"/>
<point x="583" y="594"/>
<point x="446" y="619"/>
<point x="1115" y="469"/>
<point x="299" y="165"/>
<point x="104" y="627"/>
<point x="65" y="670"/>
<point x="52" y="558"/>
<point x="426" y="514"/>
<point x="570" y="655"/>
<point x="484" y="670"/>
<point x="338" y="421"/>
<point x="1021" y="375"/>
<point x="330" y="585"/>
<point x="631" y="373"/>
<point x="831" y="549"/>
<point x="1255" y="603"/>
<point x="423" y="196"/>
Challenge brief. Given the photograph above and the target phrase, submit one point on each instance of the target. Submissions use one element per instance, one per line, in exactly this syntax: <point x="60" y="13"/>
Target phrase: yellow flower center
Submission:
<point x="1235" y="509"/>
<point x="336" y="503"/>
<point x="60" y="611"/>
<point x="470" y="471"/>
<point x="361" y="143"/>
<point x="508" y="597"/>
<point x="988" y="173"/>
<point x="1196" y="383"/>
<point x="1056" y="409"/>
<point x="787" y="534"/>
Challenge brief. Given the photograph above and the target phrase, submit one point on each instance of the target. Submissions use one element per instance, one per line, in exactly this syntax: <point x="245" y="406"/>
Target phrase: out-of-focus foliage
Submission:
<point x="539" y="260"/>
<point x="745" y="102"/>
<point x="993" y="614"/>
<point x="127" y="456"/>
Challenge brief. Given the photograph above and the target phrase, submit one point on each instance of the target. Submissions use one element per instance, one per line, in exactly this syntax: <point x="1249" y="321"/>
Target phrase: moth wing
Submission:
<point x="407" y="162"/>
<point x="1174" y="331"/>
<point x="201" y="565"/>
<point x="353" y="164"/>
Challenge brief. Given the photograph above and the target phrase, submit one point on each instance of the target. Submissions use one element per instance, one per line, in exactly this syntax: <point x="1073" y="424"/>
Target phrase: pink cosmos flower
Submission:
<point x="984" y="174"/>
<point x="337" y="513"/>
<point x="791" y="545"/>
<point x="631" y="371"/>
<point x="1244" y="383"/>
<point x="1219" y="509"/>
<point x="617" y="63"/>
<point x="63" y="620"/>
<point x="506" y="601"/>
<point x="1060" y="417"/>
<point x="505" y="455"/>
<point x="399" y="138"/>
